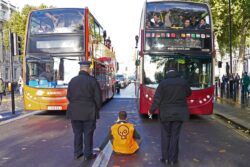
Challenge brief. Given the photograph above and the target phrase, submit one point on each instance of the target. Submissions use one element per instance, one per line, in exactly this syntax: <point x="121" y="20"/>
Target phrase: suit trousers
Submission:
<point x="170" y="133"/>
<point x="87" y="129"/>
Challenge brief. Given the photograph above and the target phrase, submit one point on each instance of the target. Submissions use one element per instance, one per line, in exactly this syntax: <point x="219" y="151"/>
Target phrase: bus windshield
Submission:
<point x="177" y="15"/>
<point x="56" y="31"/>
<point x="56" y="21"/>
<point x="196" y="69"/>
<point x="50" y="72"/>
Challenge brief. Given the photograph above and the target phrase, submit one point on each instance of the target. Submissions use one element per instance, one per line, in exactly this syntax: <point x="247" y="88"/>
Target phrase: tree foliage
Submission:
<point x="240" y="22"/>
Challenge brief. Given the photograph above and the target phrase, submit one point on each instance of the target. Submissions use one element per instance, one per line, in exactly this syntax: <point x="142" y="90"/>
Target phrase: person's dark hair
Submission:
<point x="156" y="14"/>
<point x="122" y="115"/>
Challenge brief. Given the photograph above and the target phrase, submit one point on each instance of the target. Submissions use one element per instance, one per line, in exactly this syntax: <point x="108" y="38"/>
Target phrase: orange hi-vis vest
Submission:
<point x="123" y="141"/>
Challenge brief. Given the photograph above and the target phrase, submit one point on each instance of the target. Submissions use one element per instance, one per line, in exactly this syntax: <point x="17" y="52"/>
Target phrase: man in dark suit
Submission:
<point x="170" y="99"/>
<point x="85" y="101"/>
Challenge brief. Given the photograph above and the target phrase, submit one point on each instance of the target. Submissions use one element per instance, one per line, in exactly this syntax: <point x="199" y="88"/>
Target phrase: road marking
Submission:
<point x="104" y="156"/>
<point x="20" y="117"/>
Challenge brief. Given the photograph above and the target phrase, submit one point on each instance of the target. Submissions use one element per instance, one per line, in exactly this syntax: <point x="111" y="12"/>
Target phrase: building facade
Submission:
<point x="6" y="9"/>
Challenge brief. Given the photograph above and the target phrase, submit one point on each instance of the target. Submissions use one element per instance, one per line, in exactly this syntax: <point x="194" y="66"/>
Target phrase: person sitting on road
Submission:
<point x="125" y="138"/>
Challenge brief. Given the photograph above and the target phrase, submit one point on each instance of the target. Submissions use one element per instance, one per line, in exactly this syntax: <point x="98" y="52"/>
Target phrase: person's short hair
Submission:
<point x="122" y="115"/>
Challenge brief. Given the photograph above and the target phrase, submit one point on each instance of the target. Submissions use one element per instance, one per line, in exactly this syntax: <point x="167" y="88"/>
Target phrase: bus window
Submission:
<point x="56" y="21"/>
<point x="48" y="72"/>
<point x="196" y="69"/>
<point x="173" y="15"/>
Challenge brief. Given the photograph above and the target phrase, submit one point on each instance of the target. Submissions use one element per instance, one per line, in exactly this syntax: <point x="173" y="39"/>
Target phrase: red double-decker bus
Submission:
<point x="176" y="34"/>
<point x="56" y="40"/>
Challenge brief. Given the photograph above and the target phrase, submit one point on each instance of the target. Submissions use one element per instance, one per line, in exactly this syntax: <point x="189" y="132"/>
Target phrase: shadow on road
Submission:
<point x="53" y="112"/>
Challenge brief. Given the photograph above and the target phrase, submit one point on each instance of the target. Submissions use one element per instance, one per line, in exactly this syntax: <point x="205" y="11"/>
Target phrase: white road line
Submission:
<point x="20" y="117"/>
<point x="104" y="156"/>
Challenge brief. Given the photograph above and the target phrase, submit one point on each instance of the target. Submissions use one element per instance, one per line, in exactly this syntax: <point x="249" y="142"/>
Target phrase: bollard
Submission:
<point x="216" y="89"/>
<point x="228" y="90"/>
<point x="242" y="95"/>
<point x="234" y="91"/>
<point x="222" y="90"/>
<point x="231" y="88"/>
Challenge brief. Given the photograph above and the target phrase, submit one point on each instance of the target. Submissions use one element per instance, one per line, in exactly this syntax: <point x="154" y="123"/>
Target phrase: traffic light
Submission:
<point x="17" y="44"/>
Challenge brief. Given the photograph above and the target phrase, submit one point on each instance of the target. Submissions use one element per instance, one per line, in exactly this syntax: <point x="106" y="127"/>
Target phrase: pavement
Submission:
<point x="6" y="108"/>
<point x="234" y="111"/>
<point x="230" y="110"/>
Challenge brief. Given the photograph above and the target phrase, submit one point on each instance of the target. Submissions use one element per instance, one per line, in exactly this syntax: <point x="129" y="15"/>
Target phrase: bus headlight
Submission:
<point x="39" y="93"/>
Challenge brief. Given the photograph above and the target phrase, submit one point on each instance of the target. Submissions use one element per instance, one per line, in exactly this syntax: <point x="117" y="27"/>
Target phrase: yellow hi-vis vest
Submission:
<point x="123" y="141"/>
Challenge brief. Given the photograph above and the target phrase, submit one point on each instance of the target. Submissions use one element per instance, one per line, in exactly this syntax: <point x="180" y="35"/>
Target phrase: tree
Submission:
<point x="240" y="17"/>
<point x="243" y="25"/>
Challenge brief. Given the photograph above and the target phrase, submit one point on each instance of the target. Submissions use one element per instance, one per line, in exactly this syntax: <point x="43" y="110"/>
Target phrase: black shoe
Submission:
<point x="92" y="156"/>
<point x="164" y="161"/>
<point x="78" y="156"/>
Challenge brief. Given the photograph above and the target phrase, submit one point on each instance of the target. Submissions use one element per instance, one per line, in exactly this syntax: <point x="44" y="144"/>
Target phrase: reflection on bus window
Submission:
<point x="196" y="69"/>
<point x="174" y="14"/>
<point x="56" y="21"/>
<point x="50" y="72"/>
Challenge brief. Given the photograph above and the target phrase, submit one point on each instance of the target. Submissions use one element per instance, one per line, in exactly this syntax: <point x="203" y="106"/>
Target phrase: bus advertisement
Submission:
<point x="56" y="40"/>
<point x="179" y="35"/>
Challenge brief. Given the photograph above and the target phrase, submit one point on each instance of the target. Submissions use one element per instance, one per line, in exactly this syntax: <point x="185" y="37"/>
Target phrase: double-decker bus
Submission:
<point x="176" y="34"/>
<point x="56" y="40"/>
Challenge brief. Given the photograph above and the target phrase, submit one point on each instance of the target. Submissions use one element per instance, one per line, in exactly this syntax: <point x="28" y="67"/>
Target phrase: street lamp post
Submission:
<point x="230" y="34"/>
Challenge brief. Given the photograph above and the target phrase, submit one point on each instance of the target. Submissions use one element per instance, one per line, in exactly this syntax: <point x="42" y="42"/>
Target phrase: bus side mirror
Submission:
<point x="136" y="41"/>
<point x="137" y="62"/>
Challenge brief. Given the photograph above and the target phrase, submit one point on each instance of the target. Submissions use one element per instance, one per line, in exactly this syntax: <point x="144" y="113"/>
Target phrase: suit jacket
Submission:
<point x="84" y="95"/>
<point x="170" y="98"/>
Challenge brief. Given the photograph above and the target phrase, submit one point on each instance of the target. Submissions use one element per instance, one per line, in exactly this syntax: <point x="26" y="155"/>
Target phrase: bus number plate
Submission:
<point x="54" y="107"/>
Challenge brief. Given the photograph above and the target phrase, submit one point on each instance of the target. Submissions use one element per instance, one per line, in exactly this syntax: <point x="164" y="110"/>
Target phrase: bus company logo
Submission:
<point x="54" y="93"/>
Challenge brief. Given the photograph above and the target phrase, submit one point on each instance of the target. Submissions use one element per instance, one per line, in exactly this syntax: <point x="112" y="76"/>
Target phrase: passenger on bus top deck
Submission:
<point x="57" y="20"/>
<point x="155" y="21"/>
<point x="181" y="21"/>
<point x="168" y="22"/>
<point x="202" y="25"/>
<point x="187" y="24"/>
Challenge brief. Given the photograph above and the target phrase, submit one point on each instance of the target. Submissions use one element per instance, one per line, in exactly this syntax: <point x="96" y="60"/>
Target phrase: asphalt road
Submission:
<point x="46" y="140"/>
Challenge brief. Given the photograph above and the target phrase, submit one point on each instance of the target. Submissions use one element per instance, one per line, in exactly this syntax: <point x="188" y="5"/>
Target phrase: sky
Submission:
<point x="120" y="18"/>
